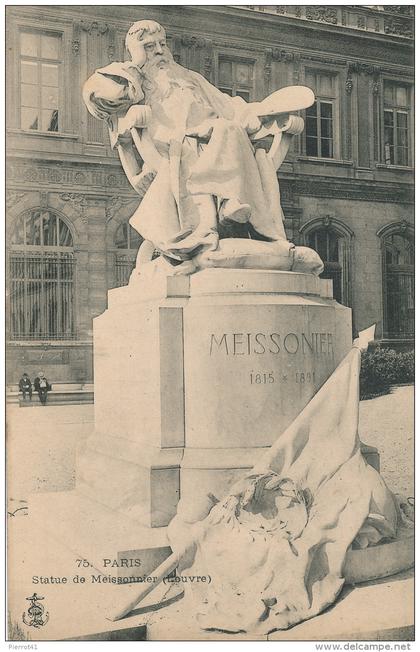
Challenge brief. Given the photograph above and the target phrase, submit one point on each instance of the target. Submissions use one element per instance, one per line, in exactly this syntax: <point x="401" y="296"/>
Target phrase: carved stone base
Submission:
<point x="195" y="375"/>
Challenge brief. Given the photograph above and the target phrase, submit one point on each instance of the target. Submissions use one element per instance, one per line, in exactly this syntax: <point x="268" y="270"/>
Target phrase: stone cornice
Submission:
<point x="390" y="21"/>
<point x="60" y="176"/>
<point x="293" y="186"/>
<point x="205" y="38"/>
<point x="396" y="193"/>
<point x="290" y="55"/>
<point x="383" y="25"/>
<point x="90" y="180"/>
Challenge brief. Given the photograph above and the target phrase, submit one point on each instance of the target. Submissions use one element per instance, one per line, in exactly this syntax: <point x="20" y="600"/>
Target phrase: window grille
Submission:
<point x="326" y="243"/>
<point x="42" y="270"/>
<point x="124" y="265"/>
<point x="398" y="251"/>
<point x="127" y="242"/>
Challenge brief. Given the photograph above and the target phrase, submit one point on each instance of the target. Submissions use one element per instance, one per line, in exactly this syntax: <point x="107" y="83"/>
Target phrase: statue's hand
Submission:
<point x="137" y="115"/>
<point x="138" y="53"/>
<point x="246" y="114"/>
<point x="250" y="122"/>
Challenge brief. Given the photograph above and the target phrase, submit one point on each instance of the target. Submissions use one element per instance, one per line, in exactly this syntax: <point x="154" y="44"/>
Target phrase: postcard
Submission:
<point x="210" y="323"/>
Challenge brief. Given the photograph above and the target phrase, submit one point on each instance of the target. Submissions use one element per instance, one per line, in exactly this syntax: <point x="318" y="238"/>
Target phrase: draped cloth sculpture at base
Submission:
<point x="275" y="547"/>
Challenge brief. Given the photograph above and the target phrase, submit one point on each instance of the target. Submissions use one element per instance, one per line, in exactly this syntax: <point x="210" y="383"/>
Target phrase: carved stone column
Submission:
<point x="348" y="121"/>
<point x="195" y="46"/>
<point x="363" y="123"/>
<point x="267" y="70"/>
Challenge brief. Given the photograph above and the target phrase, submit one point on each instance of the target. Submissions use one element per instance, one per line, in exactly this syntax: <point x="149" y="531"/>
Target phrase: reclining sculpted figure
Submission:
<point x="199" y="158"/>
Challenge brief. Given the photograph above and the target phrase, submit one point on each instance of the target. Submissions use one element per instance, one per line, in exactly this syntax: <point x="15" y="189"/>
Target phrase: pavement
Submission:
<point x="41" y="446"/>
<point x="387" y="422"/>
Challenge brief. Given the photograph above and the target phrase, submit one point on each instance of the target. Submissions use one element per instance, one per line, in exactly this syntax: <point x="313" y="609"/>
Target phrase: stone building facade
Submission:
<point x="346" y="186"/>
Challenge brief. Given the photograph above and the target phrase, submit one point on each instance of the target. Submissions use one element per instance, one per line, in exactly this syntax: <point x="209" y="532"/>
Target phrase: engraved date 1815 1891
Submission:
<point x="270" y="377"/>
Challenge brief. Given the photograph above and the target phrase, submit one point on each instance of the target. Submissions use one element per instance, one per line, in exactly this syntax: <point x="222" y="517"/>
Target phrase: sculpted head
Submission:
<point x="146" y="44"/>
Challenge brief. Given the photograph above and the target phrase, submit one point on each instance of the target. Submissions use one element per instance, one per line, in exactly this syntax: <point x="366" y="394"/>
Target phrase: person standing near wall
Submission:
<point x="42" y="386"/>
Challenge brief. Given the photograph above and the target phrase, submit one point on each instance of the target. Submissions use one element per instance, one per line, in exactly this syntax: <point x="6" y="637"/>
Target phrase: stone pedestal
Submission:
<point x="195" y="376"/>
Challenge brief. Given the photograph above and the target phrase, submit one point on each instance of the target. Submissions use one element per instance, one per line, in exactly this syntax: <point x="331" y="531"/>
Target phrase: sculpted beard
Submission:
<point x="161" y="74"/>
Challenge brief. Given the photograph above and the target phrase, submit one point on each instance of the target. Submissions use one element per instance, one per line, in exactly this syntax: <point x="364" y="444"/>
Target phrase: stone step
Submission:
<point x="58" y="399"/>
<point x="61" y="394"/>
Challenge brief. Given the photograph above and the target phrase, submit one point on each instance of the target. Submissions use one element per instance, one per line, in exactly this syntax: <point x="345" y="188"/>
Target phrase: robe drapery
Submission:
<point x="225" y="168"/>
<point x="275" y="546"/>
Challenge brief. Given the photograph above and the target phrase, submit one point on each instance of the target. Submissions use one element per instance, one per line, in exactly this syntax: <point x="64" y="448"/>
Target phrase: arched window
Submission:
<point x="42" y="278"/>
<point x="398" y="282"/>
<point x="333" y="250"/>
<point x="127" y="242"/>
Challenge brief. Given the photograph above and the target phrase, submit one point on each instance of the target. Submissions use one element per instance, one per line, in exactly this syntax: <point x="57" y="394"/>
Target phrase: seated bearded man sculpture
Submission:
<point x="192" y="153"/>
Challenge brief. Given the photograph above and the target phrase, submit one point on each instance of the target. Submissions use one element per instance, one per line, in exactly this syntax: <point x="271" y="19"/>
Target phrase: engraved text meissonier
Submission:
<point x="274" y="343"/>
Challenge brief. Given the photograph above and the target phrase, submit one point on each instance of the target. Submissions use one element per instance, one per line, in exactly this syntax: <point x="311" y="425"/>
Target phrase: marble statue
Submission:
<point x="199" y="159"/>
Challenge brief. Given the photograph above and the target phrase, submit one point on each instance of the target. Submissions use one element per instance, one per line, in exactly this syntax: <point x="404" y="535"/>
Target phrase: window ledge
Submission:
<point x="43" y="134"/>
<point x="386" y="166"/>
<point x="328" y="161"/>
